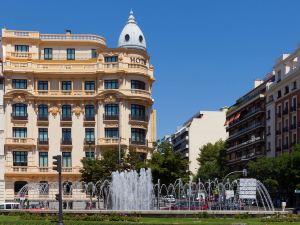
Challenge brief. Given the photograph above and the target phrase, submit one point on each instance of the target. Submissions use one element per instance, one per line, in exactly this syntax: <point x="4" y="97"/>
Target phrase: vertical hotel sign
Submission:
<point x="247" y="188"/>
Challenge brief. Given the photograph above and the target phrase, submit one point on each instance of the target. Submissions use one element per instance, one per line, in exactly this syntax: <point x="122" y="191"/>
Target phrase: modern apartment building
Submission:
<point x="282" y="109"/>
<point x="245" y="122"/>
<point x="204" y="127"/>
<point x="70" y="95"/>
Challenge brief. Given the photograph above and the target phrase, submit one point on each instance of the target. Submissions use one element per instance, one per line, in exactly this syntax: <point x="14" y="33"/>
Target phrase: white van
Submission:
<point x="9" y="205"/>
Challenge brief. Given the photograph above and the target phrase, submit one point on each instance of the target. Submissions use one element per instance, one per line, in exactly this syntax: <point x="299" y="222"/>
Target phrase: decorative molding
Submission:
<point x="111" y="124"/>
<point x="18" y="99"/>
<point x="77" y="111"/>
<point x="110" y="99"/>
<point x="54" y="110"/>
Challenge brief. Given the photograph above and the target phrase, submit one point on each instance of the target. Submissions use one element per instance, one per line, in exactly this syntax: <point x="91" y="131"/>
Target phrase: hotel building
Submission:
<point x="282" y="108"/>
<point x="245" y="122"/>
<point x="202" y="128"/>
<point x="70" y="95"/>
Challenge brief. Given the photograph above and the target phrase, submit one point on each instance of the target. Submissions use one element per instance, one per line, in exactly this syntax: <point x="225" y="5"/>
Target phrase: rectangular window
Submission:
<point x="138" y="136"/>
<point x="43" y="159"/>
<point x="279" y="94"/>
<point x="19" y="84"/>
<point x="137" y="110"/>
<point x="89" y="135"/>
<point x="70" y="53"/>
<point x="111" y="84"/>
<point x="21" y="48"/>
<point x="42" y="85"/>
<point x="109" y="59"/>
<point x="294" y="85"/>
<point x="19" y="132"/>
<point x="42" y="111"/>
<point x="286" y="90"/>
<point x="268" y="114"/>
<point x="112" y="110"/>
<point x="136" y="84"/>
<point x="66" y="112"/>
<point x="89" y="85"/>
<point x="43" y="135"/>
<point x="278" y="76"/>
<point x="66" y="160"/>
<point x="48" y="53"/>
<point x="66" y="135"/>
<point x="89" y="112"/>
<point x="19" y="110"/>
<point x="111" y="133"/>
<point x="90" y="155"/>
<point x="19" y="158"/>
<point x="66" y="85"/>
<point x="93" y="53"/>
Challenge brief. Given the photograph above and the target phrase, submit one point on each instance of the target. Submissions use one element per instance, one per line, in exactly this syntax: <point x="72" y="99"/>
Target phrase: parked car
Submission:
<point x="9" y="205"/>
<point x="169" y="199"/>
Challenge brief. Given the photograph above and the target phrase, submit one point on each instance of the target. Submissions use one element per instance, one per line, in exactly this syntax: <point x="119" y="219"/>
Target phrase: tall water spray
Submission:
<point x="131" y="190"/>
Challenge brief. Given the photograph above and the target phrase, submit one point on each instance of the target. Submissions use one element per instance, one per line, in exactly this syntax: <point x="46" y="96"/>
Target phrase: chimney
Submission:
<point x="257" y="82"/>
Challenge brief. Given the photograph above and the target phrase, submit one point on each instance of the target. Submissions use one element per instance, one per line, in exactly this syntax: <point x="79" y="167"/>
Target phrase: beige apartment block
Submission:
<point x="70" y="95"/>
<point x="203" y="128"/>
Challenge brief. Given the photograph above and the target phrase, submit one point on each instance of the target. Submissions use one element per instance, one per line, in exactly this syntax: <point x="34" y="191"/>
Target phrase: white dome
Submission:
<point x="131" y="35"/>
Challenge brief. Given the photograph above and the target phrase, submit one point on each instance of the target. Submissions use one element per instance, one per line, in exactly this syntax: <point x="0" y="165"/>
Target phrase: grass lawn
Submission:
<point x="11" y="220"/>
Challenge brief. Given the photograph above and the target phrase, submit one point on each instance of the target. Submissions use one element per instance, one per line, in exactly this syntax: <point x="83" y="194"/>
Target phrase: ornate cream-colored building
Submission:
<point x="70" y="94"/>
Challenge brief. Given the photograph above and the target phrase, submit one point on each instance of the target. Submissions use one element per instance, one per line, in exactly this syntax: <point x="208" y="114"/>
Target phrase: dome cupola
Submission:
<point x="131" y="35"/>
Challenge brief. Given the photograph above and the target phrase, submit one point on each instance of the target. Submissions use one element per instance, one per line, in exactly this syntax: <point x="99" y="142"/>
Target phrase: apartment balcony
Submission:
<point x="111" y="117"/>
<point x="20" y="141"/>
<point x="35" y="170"/>
<point x="293" y="126"/>
<point x="65" y="93"/>
<point x="285" y="111"/>
<point x="66" y="141"/>
<point x="89" y="142"/>
<point x="278" y="132"/>
<point x="245" y="117"/>
<point x="142" y="142"/>
<point x="244" y="158"/>
<point x="245" y="144"/>
<point x="137" y="93"/>
<point x="19" y="55"/>
<point x="111" y="141"/>
<point x="141" y="118"/>
<point x="44" y="141"/>
<point x="66" y="120"/>
<point x="285" y="147"/>
<point x="42" y="119"/>
<point x="278" y="114"/>
<point x="19" y="117"/>
<point x="285" y="129"/>
<point x="293" y="108"/>
<point x="245" y="130"/>
<point x="89" y="121"/>
<point x="278" y="148"/>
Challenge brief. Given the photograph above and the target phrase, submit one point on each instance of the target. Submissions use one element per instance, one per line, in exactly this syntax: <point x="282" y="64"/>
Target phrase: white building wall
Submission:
<point x="207" y="129"/>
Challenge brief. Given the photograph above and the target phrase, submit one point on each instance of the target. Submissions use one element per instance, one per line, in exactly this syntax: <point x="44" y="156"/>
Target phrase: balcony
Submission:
<point x="278" y="148"/>
<point x="245" y="130"/>
<point x="64" y="93"/>
<point x="89" y="120"/>
<point x="43" y="141"/>
<point x="43" y="118"/>
<point x="245" y="117"/>
<point x="285" y="111"/>
<point x="66" y="120"/>
<point x="89" y="141"/>
<point x="278" y="132"/>
<point x="285" y="147"/>
<point x="19" y="55"/>
<point x="293" y="126"/>
<point x="142" y="118"/>
<point x="142" y="142"/>
<point x="19" y="117"/>
<point x="246" y="144"/>
<point x="293" y="108"/>
<point x="66" y="141"/>
<point x="278" y="114"/>
<point x="111" y="117"/>
<point x="20" y="141"/>
<point x="111" y="141"/>
<point x="285" y="129"/>
<point x="35" y="170"/>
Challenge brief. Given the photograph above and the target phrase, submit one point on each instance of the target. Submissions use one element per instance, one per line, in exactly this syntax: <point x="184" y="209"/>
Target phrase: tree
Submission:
<point x="167" y="165"/>
<point x="212" y="161"/>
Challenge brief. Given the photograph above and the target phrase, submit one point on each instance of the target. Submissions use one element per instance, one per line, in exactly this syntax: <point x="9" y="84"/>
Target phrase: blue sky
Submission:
<point x="205" y="53"/>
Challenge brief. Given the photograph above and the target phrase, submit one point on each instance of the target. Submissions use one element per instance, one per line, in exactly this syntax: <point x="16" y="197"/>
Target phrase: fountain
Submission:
<point x="130" y="190"/>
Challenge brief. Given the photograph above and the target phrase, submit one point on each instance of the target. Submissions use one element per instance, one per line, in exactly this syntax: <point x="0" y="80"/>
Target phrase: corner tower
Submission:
<point x="131" y="35"/>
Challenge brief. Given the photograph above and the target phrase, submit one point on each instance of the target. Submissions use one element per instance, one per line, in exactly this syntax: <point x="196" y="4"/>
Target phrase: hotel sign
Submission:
<point x="247" y="188"/>
<point x="138" y="60"/>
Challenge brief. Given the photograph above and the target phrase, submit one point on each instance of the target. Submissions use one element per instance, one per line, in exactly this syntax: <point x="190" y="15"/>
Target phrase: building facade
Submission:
<point x="70" y="95"/>
<point x="282" y="109"/>
<point x="2" y="123"/>
<point x="204" y="127"/>
<point x="245" y="122"/>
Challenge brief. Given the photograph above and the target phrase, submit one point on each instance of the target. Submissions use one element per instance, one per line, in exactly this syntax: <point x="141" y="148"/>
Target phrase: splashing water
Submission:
<point x="132" y="191"/>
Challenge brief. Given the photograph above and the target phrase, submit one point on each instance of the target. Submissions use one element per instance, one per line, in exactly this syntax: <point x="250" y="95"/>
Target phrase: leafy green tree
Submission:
<point x="212" y="161"/>
<point x="168" y="165"/>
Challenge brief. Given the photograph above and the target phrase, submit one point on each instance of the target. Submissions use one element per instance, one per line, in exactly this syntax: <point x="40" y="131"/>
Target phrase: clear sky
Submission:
<point x="206" y="54"/>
